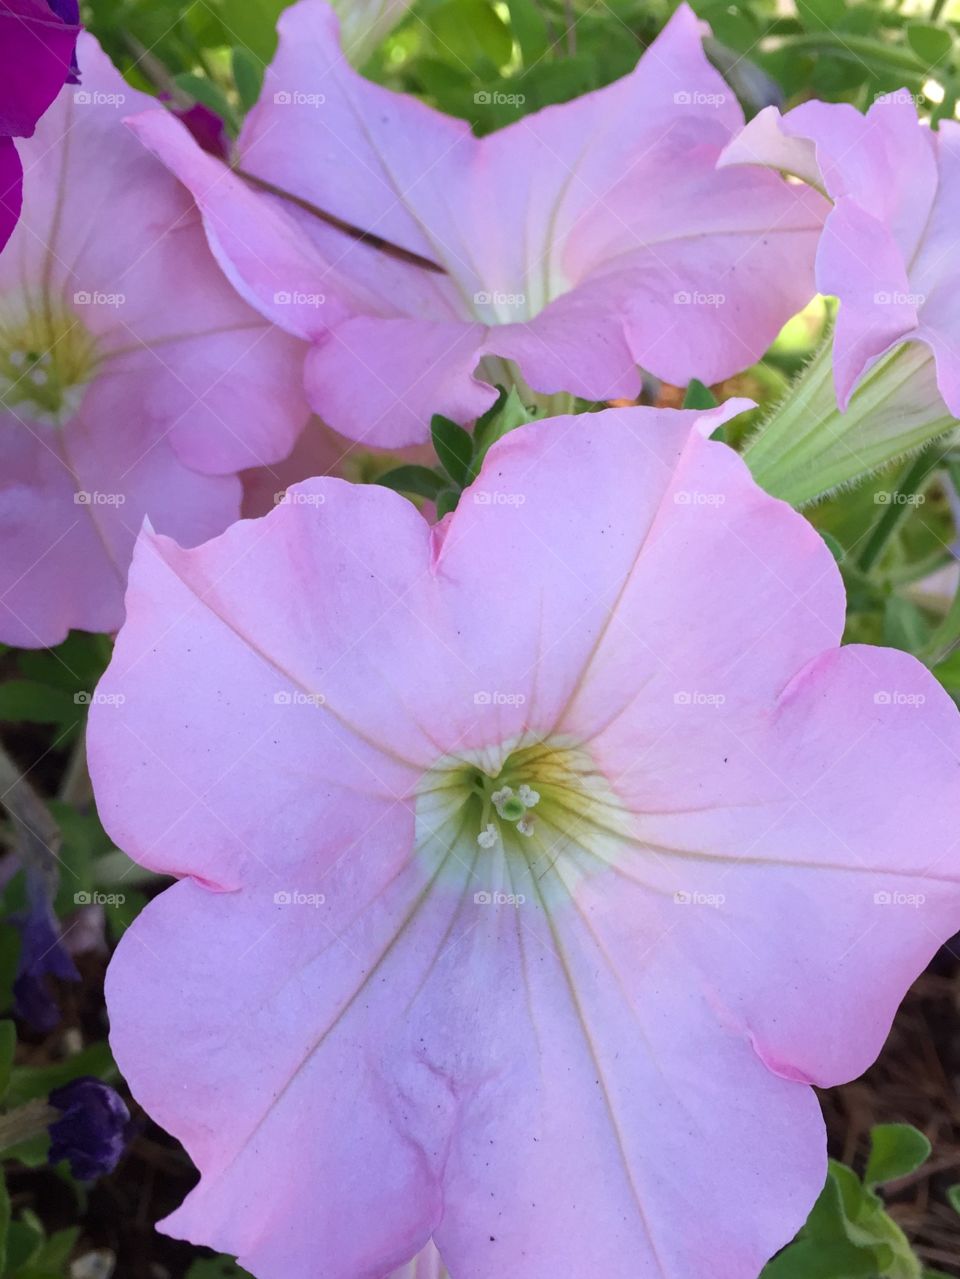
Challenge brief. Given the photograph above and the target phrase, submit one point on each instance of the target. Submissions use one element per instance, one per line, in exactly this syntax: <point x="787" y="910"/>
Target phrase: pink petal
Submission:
<point x="592" y="267"/>
<point x="545" y="1082"/>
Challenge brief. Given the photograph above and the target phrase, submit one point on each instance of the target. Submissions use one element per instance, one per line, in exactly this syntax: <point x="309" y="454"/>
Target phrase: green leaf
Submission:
<point x="821" y="15"/>
<point x="29" y="1082"/>
<point x="208" y="93"/>
<point x="447" y="502"/>
<point x="24" y="1241"/>
<point x="500" y="419"/>
<point x="471" y="32"/>
<point x="414" y="479"/>
<point x="4" y="1222"/>
<point x="8" y="1048"/>
<point x="953" y="1197"/>
<point x="904" y="626"/>
<point x="896" y="1150"/>
<point x="216" y="1268"/>
<point x="120" y="915"/>
<point x="948" y="673"/>
<point x="247" y="76"/>
<point x="698" y="396"/>
<point x="454" y="448"/>
<point x="24" y="701"/>
<point x="9" y="959"/>
<point x="811" y="1259"/>
<point x="253" y="24"/>
<point x="53" y="1256"/>
<point x="530" y="29"/>
<point x="931" y="44"/>
<point x="834" y="546"/>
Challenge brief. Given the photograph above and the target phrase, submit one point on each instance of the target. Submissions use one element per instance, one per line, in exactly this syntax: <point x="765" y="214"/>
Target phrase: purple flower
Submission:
<point x="37" y="47"/>
<point x="91" y="1135"/>
<point x="42" y="955"/>
<point x="207" y="128"/>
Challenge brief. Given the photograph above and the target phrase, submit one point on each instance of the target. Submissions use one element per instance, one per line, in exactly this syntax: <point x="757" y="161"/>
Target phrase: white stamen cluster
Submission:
<point x="511" y="806"/>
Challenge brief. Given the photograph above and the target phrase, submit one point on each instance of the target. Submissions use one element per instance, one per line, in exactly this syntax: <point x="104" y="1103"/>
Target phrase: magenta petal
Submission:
<point x="36" y="50"/>
<point x="11" y="188"/>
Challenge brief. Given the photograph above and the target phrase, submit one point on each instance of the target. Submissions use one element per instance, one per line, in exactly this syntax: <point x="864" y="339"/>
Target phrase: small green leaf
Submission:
<point x="247" y="76"/>
<point x="24" y="1241"/>
<point x="8" y="1047"/>
<point x="29" y="1082"/>
<point x="4" y="1222"/>
<point x="216" y="1268"/>
<point x="447" y="502"/>
<point x="9" y="960"/>
<point x="834" y="546"/>
<point x="414" y="479"/>
<point x="896" y="1150"/>
<point x="953" y="1198"/>
<point x="121" y="915"/>
<point x="27" y="701"/>
<point x="208" y="93"/>
<point x="931" y="44"/>
<point x="471" y="32"/>
<point x="454" y="448"/>
<point x="698" y="396"/>
<point x="500" y="419"/>
<point x="811" y="1259"/>
<point x="904" y="625"/>
<point x="530" y="28"/>
<point x="253" y="24"/>
<point x="821" y="15"/>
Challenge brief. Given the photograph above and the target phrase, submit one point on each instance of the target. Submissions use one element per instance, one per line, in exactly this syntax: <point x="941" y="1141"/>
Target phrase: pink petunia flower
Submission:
<point x="36" y="56"/>
<point x="133" y="379"/>
<point x="531" y="866"/>
<point x="888" y="245"/>
<point x="567" y="249"/>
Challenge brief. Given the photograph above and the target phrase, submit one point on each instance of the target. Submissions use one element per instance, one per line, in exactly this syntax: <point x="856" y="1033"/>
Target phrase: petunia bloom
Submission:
<point x="888" y="253"/>
<point x="133" y="379"/>
<point x="531" y="865"/>
<point x="567" y="249"/>
<point x="37" y="43"/>
<point x="91" y="1133"/>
